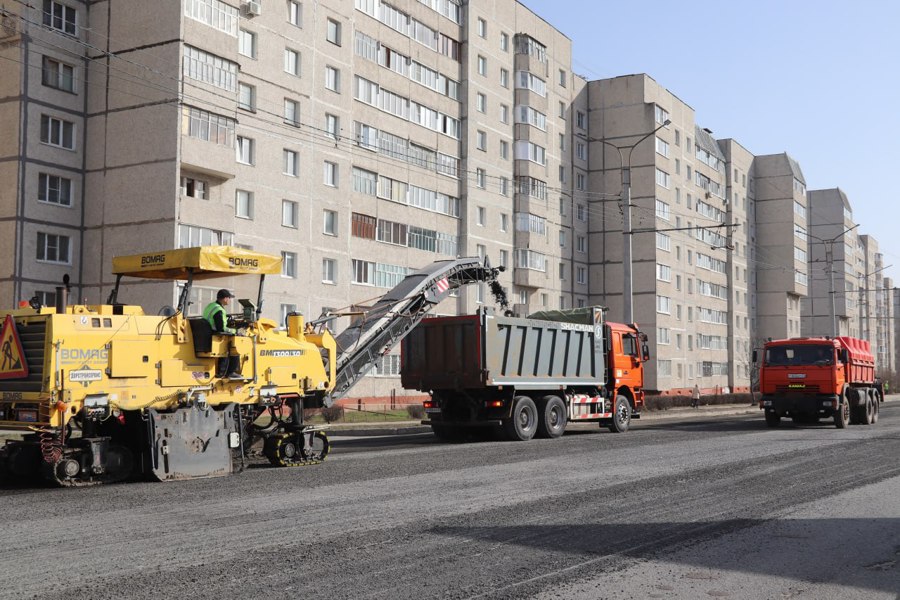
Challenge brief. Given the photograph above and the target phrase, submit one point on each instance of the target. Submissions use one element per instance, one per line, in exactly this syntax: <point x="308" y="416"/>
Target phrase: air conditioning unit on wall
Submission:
<point x="252" y="9"/>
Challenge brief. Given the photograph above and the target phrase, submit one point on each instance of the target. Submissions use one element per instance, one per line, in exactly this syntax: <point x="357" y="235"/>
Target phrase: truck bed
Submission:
<point x="483" y="350"/>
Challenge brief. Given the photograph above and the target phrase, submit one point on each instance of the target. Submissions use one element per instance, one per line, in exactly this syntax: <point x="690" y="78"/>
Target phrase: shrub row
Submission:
<point x="667" y="402"/>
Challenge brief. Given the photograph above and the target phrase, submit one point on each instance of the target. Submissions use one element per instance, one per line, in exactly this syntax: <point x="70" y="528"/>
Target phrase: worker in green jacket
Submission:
<point x="217" y="317"/>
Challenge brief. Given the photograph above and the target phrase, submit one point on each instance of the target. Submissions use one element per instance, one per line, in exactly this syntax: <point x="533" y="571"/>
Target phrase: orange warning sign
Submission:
<point x="12" y="357"/>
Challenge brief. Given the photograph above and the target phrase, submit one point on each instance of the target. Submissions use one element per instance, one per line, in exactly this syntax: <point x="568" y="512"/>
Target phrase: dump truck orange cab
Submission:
<point x="812" y="378"/>
<point x="626" y="361"/>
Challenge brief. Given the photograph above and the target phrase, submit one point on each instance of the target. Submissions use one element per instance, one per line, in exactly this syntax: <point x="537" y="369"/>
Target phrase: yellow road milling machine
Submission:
<point x="107" y="392"/>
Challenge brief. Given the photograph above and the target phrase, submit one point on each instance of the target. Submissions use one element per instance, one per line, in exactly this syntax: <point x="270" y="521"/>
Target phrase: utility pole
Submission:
<point x="829" y="260"/>
<point x="627" y="267"/>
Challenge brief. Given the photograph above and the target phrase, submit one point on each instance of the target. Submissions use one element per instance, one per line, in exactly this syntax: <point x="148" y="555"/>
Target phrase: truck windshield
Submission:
<point x="799" y="355"/>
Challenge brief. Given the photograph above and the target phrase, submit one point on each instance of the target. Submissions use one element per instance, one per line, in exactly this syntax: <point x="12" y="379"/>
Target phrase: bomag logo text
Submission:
<point x="244" y="263"/>
<point x="153" y="260"/>
<point x="83" y="355"/>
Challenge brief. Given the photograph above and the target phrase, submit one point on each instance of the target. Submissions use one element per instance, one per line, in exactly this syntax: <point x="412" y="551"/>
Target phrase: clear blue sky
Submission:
<point x="819" y="80"/>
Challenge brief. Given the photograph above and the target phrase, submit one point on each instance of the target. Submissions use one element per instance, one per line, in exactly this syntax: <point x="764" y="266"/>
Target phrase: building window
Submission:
<point x="482" y="28"/>
<point x="562" y="78"/>
<point x="194" y="188"/>
<point x="58" y="75"/>
<point x="330" y="226"/>
<point x="331" y="174"/>
<point x="295" y="13"/>
<point x="292" y="62"/>
<point x="291" y="112"/>
<point x="581" y="212"/>
<point x="480" y="178"/>
<point x="243" y="204"/>
<point x="247" y="43"/>
<point x="504" y="259"/>
<point x="333" y="33"/>
<point x="480" y="102"/>
<point x="662" y="115"/>
<point x="57" y="132"/>
<point x="291" y="163"/>
<point x="480" y="216"/>
<point x="580" y="119"/>
<point x="580" y="181"/>
<point x="365" y="182"/>
<point x="208" y="126"/>
<point x="53" y="248"/>
<point x="504" y="186"/>
<point x="333" y="79"/>
<point x="482" y="140"/>
<point x="209" y="68"/>
<point x="504" y="113"/>
<point x="363" y="226"/>
<point x="289" y="214"/>
<point x="60" y="17"/>
<point x="504" y="42"/>
<point x="54" y="189"/>
<point x="329" y="270"/>
<point x="482" y="65"/>
<point x="332" y="127"/>
<point x="214" y="13"/>
<point x="289" y="264"/>
<point x="504" y="79"/>
<point x="245" y="150"/>
<point x="246" y="97"/>
<point x="581" y="275"/>
<point x="662" y="147"/>
<point x="363" y="272"/>
<point x="581" y="243"/>
<point x="190" y="236"/>
<point x="664" y="305"/>
<point x="662" y="178"/>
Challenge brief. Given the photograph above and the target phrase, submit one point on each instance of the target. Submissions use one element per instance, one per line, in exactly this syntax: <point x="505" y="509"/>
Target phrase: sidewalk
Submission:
<point x="673" y="414"/>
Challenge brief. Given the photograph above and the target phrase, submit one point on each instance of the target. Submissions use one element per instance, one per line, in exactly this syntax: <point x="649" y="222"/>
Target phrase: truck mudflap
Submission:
<point x="793" y="405"/>
<point x="192" y="442"/>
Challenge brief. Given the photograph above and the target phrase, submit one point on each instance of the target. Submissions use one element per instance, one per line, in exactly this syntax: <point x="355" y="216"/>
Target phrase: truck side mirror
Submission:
<point x="754" y="357"/>
<point x="645" y="352"/>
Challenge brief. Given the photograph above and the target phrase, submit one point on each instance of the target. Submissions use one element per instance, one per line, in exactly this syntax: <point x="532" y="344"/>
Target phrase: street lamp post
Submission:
<point x="628" y="285"/>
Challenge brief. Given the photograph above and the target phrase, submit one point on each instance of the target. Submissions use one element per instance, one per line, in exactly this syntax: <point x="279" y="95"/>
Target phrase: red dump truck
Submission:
<point x="819" y="377"/>
<point x="526" y="376"/>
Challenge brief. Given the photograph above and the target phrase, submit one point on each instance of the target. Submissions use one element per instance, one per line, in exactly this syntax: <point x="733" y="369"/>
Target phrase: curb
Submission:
<point x="414" y="427"/>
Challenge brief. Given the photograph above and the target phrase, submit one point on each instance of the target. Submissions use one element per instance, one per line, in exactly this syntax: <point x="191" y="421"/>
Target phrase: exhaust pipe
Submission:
<point x="62" y="299"/>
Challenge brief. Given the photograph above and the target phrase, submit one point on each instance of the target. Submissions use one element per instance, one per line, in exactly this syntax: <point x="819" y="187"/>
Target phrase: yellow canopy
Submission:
<point x="206" y="262"/>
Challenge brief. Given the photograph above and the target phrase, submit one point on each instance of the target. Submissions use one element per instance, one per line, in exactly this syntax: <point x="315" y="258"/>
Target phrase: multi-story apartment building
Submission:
<point x="781" y="245"/>
<point x="885" y="345"/>
<point x="682" y="258"/>
<point x="833" y="256"/>
<point x="358" y="140"/>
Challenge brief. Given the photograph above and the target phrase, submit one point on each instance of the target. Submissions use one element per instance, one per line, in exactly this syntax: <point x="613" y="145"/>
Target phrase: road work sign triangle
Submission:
<point x="12" y="358"/>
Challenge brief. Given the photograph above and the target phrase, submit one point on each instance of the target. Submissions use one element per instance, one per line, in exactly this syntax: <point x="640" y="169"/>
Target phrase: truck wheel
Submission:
<point x="772" y="418"/>
<point x="522" y="424"/>
<point x="621" y="415"/>
<point x="842" y="414"/>
<point x="552" y="421"/>
<point x="875" y="409"/>
<point x="870" y="409"/>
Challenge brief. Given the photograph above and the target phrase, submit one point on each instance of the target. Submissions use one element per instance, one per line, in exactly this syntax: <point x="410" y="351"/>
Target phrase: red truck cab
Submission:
<point x="628" y="352"/>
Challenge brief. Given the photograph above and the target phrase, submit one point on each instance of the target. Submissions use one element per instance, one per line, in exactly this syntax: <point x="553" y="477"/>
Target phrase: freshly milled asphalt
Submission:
<point x="720" y="507"/>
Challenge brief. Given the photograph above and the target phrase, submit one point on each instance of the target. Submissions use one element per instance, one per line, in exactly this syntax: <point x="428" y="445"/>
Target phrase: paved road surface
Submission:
<point x="719" y="508"/>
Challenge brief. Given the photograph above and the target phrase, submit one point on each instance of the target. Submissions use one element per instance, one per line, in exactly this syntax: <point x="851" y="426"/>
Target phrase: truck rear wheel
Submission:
<point x="621" y="415"/>
<point x="870" y="409"/>
<point x="875" y="408"/>
<point x="773" y="419"/>
<point x="842" y="414"/>
<point x="552" y="419"/>
<point x="522" y="424"/>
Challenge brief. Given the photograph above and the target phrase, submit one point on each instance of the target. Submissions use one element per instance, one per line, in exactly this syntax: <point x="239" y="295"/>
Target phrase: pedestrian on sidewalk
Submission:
<point x="695" y="397"/>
